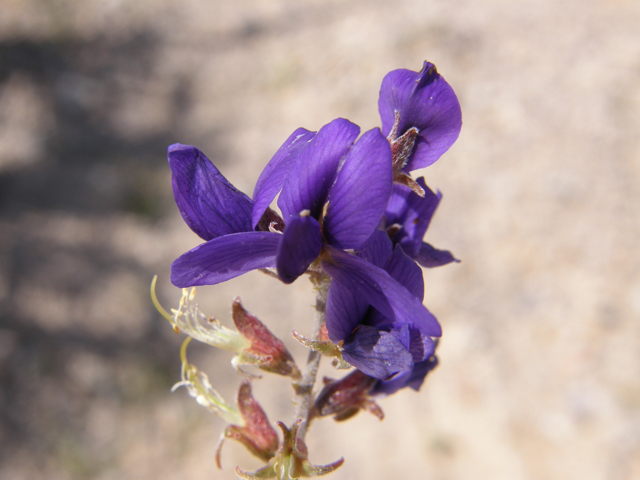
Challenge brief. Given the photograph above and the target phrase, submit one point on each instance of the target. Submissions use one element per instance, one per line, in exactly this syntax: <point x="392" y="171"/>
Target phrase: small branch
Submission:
<point x="304" y="387"/>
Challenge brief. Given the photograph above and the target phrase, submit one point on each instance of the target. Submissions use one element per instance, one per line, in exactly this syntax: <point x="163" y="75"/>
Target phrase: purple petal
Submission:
<point x="403" y="335"/>
<point x="413" y="213"/>
<point x="406" y="272"/>
<point x="430" y="257"/>
<point x="311" y="176"/>
<point x="209" y="204"/>
<point x="421" y="346"/>
<point x="344" y="312"/>
<point x="426" y="101"/>
<point x="275" y="173"/>
<point x="376" y="353"/>
<point x="376" y="287"/>
<point x="413" y="379"/>
<point x="224" y="258"/>
<point x="361" y="192"/>
<point x="300" y="246"/>
<point x="377" y="249"/>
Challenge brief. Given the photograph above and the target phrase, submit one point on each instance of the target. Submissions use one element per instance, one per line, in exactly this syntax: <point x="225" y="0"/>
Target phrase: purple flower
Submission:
<point x="334" y="191"/>
<point x="333" y="196"/>
<point x="377" y="340"/>
<point x="407" y="219"/>
<point x="421" y="118"/>
<point x="222" y="215"/>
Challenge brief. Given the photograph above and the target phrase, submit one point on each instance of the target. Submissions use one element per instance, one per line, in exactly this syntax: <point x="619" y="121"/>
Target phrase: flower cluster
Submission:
<point x="352" y="217"/>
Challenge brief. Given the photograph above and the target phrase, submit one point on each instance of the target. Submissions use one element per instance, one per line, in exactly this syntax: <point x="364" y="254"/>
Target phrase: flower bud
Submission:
<point x="252" y="342"/>
<point x="265" y="351"/>
<point x="255" y="433"/>
<point x="346" y="397"/>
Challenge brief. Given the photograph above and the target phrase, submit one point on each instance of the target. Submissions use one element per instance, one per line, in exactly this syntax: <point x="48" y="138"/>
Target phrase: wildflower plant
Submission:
<point x="352" y="218"/>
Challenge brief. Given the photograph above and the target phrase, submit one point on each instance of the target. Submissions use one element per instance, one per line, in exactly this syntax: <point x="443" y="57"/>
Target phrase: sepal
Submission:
<point x="402" y="178"/>
<point x="325" y="346"/>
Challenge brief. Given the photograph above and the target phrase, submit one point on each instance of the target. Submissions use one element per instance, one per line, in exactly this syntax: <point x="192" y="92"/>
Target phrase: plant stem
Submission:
<point x="304" y="387"/>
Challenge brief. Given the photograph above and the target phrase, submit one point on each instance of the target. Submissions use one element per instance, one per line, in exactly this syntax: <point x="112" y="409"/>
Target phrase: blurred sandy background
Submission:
<point x="540" y="359"/>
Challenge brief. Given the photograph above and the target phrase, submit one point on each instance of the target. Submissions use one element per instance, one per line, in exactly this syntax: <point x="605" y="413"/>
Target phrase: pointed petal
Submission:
<point x="430" y="257"/>
<point x="300" y="245"/>
<point x="209" y="204"/>
<point x="275" y="173"/>
<point x="376" y="353"/>
<point x="376" y="287"/>
<point x="361" y="192"/>
<point x="224" y="258"/>
<point x="311" y="176"/>
<point x="413" y="213"/>
<point x="426" y="101"/>
<point x="406" y="272"/>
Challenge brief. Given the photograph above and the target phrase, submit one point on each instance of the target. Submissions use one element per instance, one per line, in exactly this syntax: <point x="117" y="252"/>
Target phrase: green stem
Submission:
<point x="283" y="469"/>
